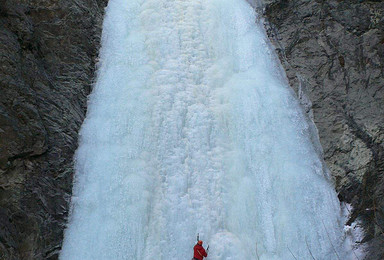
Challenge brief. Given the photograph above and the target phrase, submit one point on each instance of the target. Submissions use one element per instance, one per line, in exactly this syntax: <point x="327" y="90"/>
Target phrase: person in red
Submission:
<point x="199" y="251"/>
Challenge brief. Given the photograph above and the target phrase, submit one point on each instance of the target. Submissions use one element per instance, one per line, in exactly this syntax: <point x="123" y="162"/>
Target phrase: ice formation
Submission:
<point x="191" y="128"/>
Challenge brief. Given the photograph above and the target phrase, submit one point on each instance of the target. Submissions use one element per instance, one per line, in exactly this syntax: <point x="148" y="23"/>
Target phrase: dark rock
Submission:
<point x="336" y="49"/>
<point x="333" y="55"/>
<point x="48" y="50"/>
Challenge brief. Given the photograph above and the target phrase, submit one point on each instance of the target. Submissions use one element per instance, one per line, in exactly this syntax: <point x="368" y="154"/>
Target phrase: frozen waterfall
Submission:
<point x="192" y="128"/>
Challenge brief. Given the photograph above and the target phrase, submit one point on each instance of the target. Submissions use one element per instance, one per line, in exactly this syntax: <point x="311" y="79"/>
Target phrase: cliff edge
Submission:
<point x="333" y="54"/>
<point x="48" y="50"/>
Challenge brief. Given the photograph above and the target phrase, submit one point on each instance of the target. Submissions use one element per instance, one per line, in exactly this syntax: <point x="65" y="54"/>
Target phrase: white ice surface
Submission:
<point x="354" y="234"/>
<point x="192" y="128"/>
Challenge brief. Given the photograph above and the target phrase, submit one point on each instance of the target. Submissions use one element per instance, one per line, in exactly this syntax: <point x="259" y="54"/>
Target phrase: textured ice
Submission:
<point x="192" y="128"/>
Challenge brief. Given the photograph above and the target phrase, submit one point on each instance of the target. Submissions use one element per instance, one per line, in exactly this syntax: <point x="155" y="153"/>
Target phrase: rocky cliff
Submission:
<point x="48" y="50"/>
<point x="333" y="54"/>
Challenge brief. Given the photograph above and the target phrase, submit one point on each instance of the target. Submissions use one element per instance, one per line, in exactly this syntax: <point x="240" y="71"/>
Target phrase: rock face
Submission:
<point x="48" y="50"/>
<point x="333" y="53"/>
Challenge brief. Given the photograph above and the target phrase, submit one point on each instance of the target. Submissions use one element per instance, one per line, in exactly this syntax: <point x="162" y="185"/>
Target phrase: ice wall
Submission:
<point x="192" y="128"/>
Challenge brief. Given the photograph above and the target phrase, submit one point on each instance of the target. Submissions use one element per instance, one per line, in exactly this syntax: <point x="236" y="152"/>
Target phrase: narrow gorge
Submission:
<point x="332" y="52"/>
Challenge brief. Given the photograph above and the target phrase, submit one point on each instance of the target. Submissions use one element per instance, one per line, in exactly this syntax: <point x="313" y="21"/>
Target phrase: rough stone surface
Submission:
<point x="48" y="50"/>
<point x="331" y="50"/>
<point x="333" y="54"/>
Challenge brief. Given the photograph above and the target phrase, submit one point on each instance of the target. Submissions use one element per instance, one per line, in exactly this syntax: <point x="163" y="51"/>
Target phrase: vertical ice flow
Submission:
<point x="192" y="128"/>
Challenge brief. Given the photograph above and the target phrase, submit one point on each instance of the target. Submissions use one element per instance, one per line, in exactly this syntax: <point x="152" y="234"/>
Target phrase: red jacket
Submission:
<point x="199" y="252"/>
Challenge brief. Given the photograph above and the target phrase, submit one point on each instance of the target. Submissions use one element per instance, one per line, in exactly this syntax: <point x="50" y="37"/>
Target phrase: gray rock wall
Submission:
<point x="48" y="50"/>
<point x="333" y="53"/>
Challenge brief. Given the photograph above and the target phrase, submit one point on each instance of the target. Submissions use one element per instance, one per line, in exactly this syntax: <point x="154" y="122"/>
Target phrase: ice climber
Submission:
<point x="199" y="251"/>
